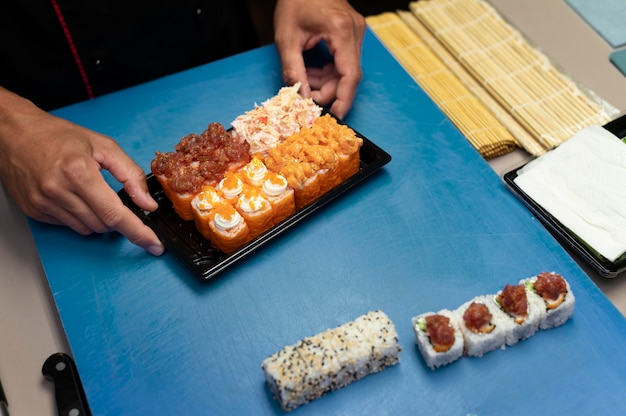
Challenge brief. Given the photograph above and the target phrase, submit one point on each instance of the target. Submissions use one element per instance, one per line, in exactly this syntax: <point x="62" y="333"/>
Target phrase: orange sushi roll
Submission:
<point x="256" y="210"/>
<point x="253" y="173"/>
<point x="325" y="161"/>
<point x="344" y="142"/>
<point x="231" y="187"/>
<point x="281" y="196"/>
<point x="308" y="192"/>
<point x="180" y="201"/>
<point x="302" y="177"/>
<point x="229" y="231"/>
<point x="202" y="205"/>
<point x="349" y="157"/>
<point x="349" y="166"/>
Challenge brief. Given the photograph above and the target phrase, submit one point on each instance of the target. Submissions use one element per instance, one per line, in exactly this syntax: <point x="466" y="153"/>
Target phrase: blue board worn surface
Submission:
<point x="606" y="17"/>
<point x="431" y="230"/>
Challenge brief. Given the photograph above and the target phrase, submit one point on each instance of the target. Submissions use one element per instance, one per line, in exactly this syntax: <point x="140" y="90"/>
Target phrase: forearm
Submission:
<point x="15" y="111"/>
<point x="11" y="103"/>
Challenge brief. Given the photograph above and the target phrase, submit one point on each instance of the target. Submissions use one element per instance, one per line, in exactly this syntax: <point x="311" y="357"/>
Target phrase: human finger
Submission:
<point x="348" y="74"/>
<point x="292" y="63"/>
<point x="112" y="215"/>
<point x="323" y="83"/>
<point x="112" y="158"/>
<point x="107" y="205"/>
<point x="345" y="46"/>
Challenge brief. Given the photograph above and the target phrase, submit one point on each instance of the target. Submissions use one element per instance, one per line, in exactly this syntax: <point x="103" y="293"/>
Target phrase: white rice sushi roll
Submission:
<point x="332" y="359"/>
<point x="556" y="295"/>
<point x="525" y="312"/>
<point x="484" y="326"/>
<point x="438" y="337"/>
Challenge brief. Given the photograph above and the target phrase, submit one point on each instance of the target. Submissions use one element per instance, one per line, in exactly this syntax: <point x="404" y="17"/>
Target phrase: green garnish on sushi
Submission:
<point x="421" y="324"/>
<point x="530" y="285"/>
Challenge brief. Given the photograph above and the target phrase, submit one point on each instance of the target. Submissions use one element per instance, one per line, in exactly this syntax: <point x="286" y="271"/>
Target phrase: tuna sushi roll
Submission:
<point x="330" y="360"/>
<point x="438" y="337"/>
<point x="525" y="312"/>
<point x="484" y="326"/>
<point x="555" y="293"/>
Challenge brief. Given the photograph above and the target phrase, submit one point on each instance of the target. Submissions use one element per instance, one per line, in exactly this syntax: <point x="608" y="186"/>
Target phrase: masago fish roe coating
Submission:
<point x="316" y="159"/>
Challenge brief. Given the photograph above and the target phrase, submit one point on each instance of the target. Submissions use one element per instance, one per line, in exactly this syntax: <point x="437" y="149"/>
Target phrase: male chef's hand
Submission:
<point x="52" y="169"/>
<point x="302" y="24"/>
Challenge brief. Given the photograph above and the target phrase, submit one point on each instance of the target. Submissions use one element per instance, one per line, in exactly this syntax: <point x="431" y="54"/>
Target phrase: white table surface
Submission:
<point x="30" y="330"/>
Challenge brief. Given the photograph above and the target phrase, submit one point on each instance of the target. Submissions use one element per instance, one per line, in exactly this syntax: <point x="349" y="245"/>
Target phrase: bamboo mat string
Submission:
<point x="481" y="128"/>
<point x="523" y="137"/>
<point x="544" y="102"/>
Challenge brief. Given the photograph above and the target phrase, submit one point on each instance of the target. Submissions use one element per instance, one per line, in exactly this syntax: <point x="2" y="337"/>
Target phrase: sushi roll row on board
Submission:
<point x="489" y="322"/>
<point x="332" y="359"/>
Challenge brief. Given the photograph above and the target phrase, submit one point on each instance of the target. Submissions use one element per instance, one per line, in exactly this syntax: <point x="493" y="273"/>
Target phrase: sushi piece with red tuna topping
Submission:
<point x="438" y="337"/>
<point x="484" y="326"/>
<point x="526" y="312"/>
<point x="555" y="293"/>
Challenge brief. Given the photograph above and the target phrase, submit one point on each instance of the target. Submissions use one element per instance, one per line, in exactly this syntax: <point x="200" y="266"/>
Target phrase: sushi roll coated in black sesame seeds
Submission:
<point x="332" y="359"/>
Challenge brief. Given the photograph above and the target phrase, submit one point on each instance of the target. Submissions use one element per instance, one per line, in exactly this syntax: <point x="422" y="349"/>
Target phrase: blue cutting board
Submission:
<point x="432" y="229"/>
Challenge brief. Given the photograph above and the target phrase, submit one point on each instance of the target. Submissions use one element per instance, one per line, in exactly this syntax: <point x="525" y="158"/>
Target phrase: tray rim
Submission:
<point x="203" y="265"/>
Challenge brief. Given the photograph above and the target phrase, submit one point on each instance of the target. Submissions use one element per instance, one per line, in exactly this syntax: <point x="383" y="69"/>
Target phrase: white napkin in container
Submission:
<point x="582" y="183"/>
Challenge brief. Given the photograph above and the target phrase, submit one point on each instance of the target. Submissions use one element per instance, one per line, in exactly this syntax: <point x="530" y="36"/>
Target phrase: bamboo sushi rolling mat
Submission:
<point x="500" y="92"/>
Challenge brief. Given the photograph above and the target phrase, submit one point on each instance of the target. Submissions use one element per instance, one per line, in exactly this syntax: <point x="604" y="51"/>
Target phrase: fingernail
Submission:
<point x="156" y="249"/>
<point x="152" y="201"/>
